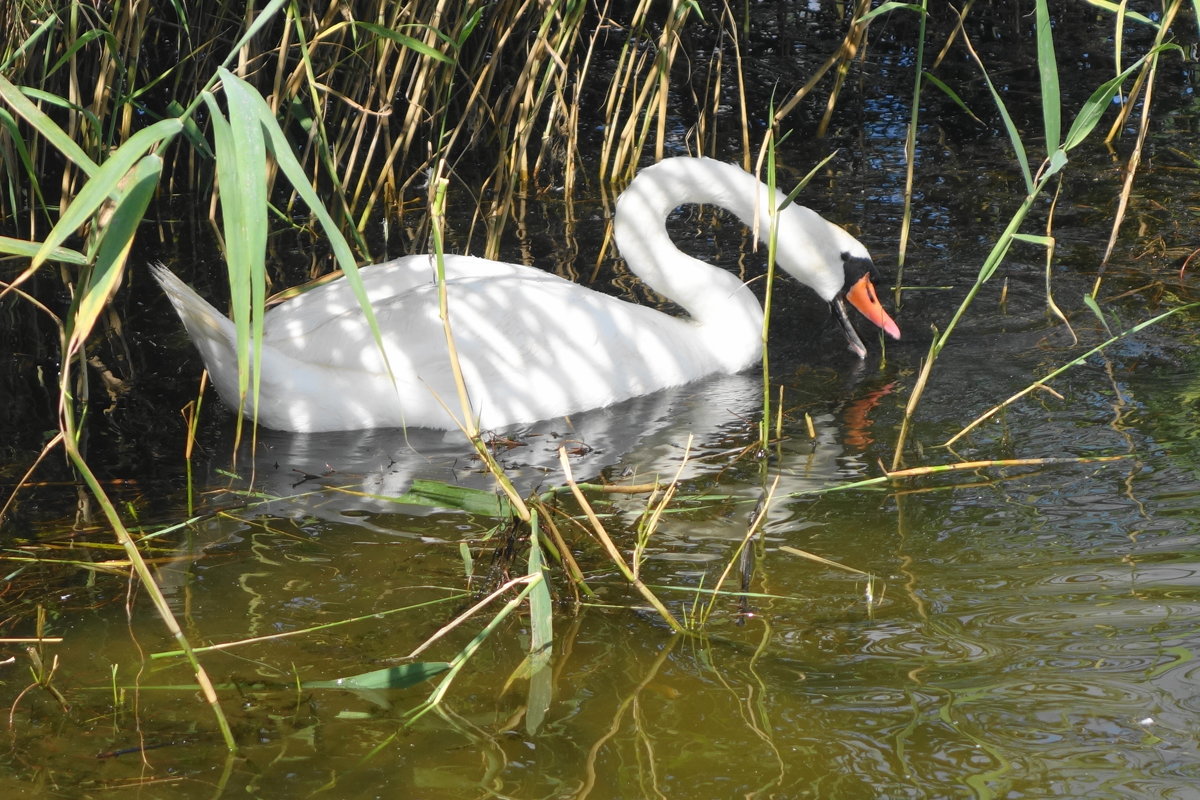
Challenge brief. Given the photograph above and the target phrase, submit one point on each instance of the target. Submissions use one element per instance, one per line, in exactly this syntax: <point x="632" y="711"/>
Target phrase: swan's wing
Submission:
<point x="391" y="281"/>
<point x="529" y="347"/>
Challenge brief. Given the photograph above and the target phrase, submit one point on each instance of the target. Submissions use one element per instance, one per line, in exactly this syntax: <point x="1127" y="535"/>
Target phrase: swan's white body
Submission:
<point x="531" y="345"/>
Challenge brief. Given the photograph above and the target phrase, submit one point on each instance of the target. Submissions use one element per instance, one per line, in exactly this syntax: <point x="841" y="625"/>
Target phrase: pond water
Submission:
<point x="1012" y="631"/>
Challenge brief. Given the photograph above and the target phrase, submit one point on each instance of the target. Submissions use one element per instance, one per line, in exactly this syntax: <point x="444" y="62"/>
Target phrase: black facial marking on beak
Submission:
<point x="855" y="268"/>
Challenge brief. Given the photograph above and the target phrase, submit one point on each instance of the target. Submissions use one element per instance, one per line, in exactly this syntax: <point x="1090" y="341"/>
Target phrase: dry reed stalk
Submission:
<point x="642" y="83"/>
<point x="1145" y="77"/>
<point x="854" y="47"/>
<point x="846" y="53"/>
<point x="611" y="549"/>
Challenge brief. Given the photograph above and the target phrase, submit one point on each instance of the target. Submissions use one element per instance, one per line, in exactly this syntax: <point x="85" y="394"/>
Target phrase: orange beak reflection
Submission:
<point x="862" y="296"/>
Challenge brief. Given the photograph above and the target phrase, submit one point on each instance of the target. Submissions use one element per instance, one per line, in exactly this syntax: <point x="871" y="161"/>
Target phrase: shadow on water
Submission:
<point x="330" y="474"/>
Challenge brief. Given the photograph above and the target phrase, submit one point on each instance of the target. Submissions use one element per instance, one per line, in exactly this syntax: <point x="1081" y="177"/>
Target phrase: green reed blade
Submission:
<point x="45" y="126"/>
<point x="137" y="189"/>
<point x="244" y="218"/>
<point x="1048" y="76"/>
<point x="26" y="249"/>
<point x="411" y="43"/>
<point x="1100" y="100"/>
<point x="102" y="184"/>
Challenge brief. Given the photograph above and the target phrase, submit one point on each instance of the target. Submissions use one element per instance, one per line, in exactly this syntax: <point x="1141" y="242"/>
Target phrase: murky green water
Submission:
<point x="1019" y="632"/>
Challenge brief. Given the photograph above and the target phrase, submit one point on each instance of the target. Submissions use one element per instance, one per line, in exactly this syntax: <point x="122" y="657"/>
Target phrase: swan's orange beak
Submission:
<point x="862" y="296"/>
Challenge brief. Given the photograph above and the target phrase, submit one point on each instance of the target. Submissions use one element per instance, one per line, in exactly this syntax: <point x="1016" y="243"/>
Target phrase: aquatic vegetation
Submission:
<point x="327" y="121"/>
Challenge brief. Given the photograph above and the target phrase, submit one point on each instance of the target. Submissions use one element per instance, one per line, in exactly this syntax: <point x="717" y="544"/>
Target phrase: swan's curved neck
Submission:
<point x="718" y="302"/>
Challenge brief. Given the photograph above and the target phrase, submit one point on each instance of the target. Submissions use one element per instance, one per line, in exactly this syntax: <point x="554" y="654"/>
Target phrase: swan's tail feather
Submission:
<point x="211" y="332"/>
<point x="202" y="320"/>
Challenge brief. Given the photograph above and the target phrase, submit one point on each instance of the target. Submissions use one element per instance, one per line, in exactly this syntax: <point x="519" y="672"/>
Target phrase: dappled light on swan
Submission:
<point x="531" y="345"/>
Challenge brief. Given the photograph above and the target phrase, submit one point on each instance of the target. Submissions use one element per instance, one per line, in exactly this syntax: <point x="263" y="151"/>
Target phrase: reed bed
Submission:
<point x="329" y="117"/>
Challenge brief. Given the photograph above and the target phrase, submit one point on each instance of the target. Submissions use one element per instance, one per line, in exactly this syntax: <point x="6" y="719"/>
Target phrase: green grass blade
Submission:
<point x="416" y="45"/>
<point x="242" y="169"/>
<point x="799" y="187"/>
<point x="541" y="633"/>
<point x="1014" y="135"/>
<point x="888" y="7"/>
<point x="78" y="46"/>
<point x="45" y="126"/>
<point x="1094" y="307"/>
<point x="1116" y="8"/>
<point x="399" y="677"/>
<point x="137" y="189"/>
<point x="1048" y="75"/>
<point x="288" y="164"/>
<point x="953" y="95"/>
<point x="32" y="174"/>
<point x="103" y="183"/>
<point x="51" y="22"/>
<point x="26" y="249"/>
<point x="1095" y="106"/>
<point x="191" y="130"/>
<point x="541" y="609"/>
<point x="464" y="655"/>
<point x="1034" y="238"/>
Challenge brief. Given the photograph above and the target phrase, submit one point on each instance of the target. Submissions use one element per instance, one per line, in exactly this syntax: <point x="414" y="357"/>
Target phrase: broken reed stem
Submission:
<point x="754" y="527"/>
<point x="916" y="472"/>
<point x="613" y="553"/>
<point x="467" y="423"/>
<point x="1148" y="72"/>
<point x="650" y="518"/>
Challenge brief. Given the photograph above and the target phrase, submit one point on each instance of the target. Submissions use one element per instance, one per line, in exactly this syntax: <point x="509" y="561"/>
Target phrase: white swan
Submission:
<point x="532" y="345"/>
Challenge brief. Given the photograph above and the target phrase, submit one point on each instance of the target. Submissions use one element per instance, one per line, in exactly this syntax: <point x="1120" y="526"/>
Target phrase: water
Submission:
<point x="1018" y="632"/>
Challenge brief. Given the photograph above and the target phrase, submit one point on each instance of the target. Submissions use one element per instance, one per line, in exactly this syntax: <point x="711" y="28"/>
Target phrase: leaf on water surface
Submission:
<point x="1091" y="303"/>
<point x="400" y="677"/>
<point x="445" y="495"/>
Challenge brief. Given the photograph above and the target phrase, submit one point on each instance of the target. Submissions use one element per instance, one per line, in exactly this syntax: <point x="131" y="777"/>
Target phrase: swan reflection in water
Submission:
<point x="348" y="477"/>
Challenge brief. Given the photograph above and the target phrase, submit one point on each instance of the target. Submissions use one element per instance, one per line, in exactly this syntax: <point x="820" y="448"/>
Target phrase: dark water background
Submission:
<point x="1019" y="632"/>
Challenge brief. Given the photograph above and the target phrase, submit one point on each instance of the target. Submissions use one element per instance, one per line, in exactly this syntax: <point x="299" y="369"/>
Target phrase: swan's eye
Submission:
<point x="855" y="268"/>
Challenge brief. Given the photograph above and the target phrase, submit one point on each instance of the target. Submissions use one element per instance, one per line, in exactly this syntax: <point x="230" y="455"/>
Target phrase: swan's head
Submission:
<point x="835" y="265"/>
